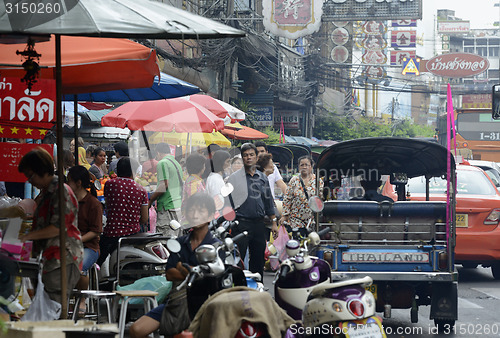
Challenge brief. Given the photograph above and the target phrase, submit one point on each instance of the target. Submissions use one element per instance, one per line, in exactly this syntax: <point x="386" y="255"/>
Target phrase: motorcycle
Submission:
<point x="213" y="274"/>
<point x="342" y="309"/>
<point x="141" y="255"/>
<point x="300" y="273"/>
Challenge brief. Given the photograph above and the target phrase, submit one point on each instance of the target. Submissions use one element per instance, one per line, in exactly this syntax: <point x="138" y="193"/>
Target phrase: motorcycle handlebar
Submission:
<point x="191" y="279"/>
<point x="285" y="269"/>
<point x="240" y="236"/>
<point x="323" y="231"/>
<point x="216" y="222"/>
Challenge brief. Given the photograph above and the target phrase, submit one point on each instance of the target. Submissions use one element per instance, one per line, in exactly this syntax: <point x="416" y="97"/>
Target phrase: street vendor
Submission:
<point x="38" y="167"/>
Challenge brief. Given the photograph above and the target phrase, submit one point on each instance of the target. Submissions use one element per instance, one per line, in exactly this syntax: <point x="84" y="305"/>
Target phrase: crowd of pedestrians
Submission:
<point x="250" y="171"/>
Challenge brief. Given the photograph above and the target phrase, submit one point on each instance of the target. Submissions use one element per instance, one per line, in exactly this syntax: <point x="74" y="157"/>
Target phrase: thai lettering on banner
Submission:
<point x="17" y="103"/>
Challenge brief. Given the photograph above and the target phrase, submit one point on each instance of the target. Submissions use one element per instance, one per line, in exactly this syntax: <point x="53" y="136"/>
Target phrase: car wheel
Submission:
<point x="469" y="265"/>
<point x="444" y="325"/>
<point x="495" y="270"/>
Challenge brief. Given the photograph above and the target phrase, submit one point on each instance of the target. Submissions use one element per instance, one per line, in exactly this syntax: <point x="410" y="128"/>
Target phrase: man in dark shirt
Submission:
<point x="252" y="200"/>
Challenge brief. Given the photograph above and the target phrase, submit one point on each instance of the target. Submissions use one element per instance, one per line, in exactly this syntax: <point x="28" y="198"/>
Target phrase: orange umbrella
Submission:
<point x="236" y="131"/>
<point x="89" y="64"/>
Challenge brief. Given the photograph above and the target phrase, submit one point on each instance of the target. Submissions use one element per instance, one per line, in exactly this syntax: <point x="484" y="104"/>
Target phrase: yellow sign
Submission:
<point x="411" y="66"/>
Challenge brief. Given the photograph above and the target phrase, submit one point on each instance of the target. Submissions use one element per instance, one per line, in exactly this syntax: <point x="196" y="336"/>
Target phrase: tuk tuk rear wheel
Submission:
<point x="444" y="325"/>
<point x="495" y="270"/>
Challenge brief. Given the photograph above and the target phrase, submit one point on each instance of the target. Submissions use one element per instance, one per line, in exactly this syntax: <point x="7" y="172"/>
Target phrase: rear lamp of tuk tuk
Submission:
<point x="160" y="251"/>
<point x="442" y="260"/>
<point x="357" y="308"/>
<point x="493" y="217"/>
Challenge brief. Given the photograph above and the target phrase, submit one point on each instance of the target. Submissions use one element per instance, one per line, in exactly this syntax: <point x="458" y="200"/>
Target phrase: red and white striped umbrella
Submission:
<point x="218" y="107"/>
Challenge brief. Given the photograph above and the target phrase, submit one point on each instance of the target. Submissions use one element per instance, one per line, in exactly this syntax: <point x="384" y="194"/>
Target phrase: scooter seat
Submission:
<point x="320" y="289"/>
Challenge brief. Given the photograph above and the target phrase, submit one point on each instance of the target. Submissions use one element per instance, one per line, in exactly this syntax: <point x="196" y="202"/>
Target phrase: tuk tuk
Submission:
<point x="406" y="247"/>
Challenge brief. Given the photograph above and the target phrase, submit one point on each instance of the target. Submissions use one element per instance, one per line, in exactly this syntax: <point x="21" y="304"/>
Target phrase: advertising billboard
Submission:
<point x="362" y="10"/>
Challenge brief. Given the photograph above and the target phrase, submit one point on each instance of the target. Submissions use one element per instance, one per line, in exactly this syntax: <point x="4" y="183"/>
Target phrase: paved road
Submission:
<point x="478" y="303"/>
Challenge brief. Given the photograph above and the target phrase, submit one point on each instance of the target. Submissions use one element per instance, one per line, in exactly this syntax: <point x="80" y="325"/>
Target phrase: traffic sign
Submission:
<point x="411" y="66"/>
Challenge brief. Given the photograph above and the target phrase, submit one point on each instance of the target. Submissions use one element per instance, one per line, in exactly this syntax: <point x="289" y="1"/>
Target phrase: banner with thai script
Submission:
<point x="10" y="156"/>
<point x="290" y="119"/>
<point x="21" y="107"/>
<point x="263" y="116"/>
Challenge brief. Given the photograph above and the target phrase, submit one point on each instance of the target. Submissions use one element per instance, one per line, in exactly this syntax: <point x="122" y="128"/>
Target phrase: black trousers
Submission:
<point x="255" y="241"/>
<point x="106" y="246"/>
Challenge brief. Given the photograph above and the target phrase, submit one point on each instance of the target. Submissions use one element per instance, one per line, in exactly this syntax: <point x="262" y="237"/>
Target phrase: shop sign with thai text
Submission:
<point x="263" y="116"/>
<point x="18" y="104"/>
<point x="290" y="119"/>
<point x="450" y="27"/>
<point x="10" y="156"/>
<point x="457" y="65"/>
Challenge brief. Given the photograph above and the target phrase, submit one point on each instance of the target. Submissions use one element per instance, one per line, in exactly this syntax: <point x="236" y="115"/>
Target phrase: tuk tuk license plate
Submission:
<point x="373" y="289"/>
<point x="462" y="220"/>
<point x="366" y="328"/>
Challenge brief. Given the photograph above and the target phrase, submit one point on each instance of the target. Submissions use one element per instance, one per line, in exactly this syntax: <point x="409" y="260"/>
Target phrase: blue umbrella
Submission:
<point x="164" y="88"/>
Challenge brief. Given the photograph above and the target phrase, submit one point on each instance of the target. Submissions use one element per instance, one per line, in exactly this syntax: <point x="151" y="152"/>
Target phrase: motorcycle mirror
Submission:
<point x="229" y="244"/>
<point x="173" y="245"/>
<point x="97" y="185"/>
<point x="316" y="204"/>
<point x="174" y="225"/>
<point x="226" y="190"/>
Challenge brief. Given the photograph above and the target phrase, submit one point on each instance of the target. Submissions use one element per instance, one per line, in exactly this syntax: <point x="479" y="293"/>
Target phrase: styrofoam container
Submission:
<point x="52" y="329"/>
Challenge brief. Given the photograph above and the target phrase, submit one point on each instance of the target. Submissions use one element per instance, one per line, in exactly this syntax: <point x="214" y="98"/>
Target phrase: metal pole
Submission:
<point x="75" y="111"/>
<point x="60" y="174"/>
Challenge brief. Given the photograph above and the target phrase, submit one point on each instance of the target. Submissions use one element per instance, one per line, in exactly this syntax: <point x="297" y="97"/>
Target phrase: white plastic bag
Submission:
<point x="42" y="307"/>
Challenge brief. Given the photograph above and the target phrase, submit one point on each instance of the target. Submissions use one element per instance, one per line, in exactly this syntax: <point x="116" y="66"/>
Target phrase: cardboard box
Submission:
<point x="52" y="329"/>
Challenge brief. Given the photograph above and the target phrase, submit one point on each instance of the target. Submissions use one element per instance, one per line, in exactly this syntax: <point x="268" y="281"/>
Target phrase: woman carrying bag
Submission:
<point x="296" y="210"/>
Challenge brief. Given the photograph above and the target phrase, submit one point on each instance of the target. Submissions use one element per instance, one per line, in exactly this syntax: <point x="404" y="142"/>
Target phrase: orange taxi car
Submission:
<point x="477" y="215"/>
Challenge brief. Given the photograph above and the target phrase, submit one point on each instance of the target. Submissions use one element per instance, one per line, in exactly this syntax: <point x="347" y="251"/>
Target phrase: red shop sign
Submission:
<point x="19" y="105"/>
<point x="10" y="156"/>
<point x="457" y="65"/>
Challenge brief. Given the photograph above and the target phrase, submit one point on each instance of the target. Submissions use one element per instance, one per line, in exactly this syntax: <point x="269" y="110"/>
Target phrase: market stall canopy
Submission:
<point x="164" y="87"/>
<point x="193" y="139"/>
<point x="113" y="18"/>
<point x="88" y="64"/>
<point x="236" y="131"/>
<point x="177" y="115"/>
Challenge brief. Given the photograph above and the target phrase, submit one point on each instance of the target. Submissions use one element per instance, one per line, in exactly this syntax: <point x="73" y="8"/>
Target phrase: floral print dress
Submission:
<point x="295" y="203"/>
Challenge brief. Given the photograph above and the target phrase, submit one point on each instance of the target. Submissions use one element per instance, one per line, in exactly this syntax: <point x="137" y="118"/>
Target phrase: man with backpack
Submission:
<point x="168" y="192"/>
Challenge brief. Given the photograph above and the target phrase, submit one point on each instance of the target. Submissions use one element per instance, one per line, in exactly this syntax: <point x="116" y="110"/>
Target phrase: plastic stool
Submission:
<point x="96" y="295"/>
<point x="149" y="298"/>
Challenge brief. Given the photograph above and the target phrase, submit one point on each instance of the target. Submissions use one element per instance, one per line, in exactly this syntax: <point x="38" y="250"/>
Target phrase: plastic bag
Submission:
<point x="25" y="287"/>
<point x="153" y="283"/>
<point x="42" y="307"/>
<point x="280" y="245"/>
<point x="152" y="220"/>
